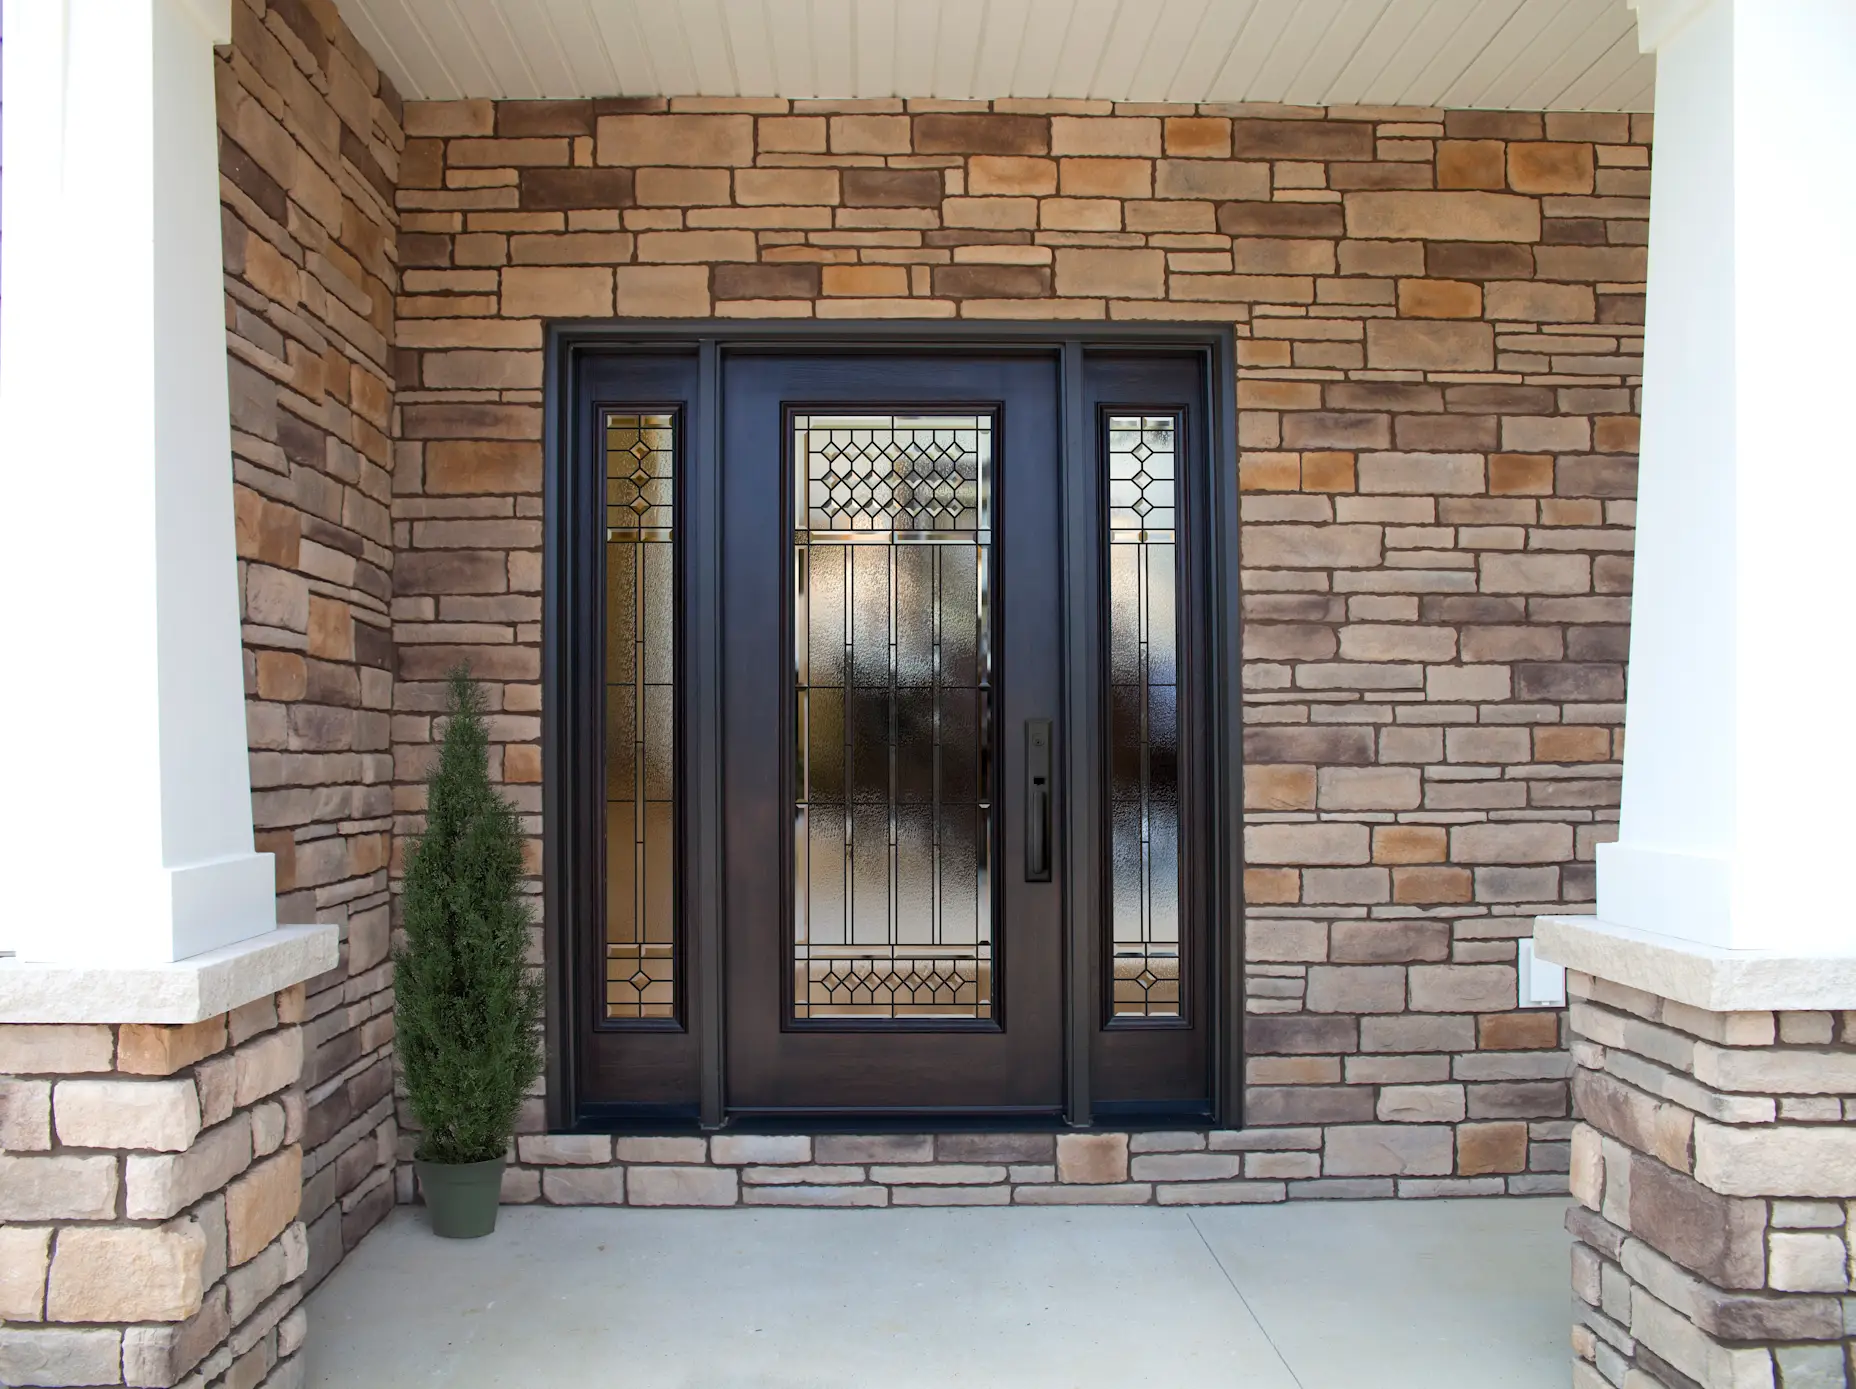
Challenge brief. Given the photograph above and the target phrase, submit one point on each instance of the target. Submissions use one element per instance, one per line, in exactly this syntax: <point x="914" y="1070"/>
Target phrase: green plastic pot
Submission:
<point x="462" y="1196"/>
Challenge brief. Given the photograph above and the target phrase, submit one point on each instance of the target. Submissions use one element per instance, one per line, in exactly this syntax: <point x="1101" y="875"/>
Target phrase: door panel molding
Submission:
<point x="602" y="362"/>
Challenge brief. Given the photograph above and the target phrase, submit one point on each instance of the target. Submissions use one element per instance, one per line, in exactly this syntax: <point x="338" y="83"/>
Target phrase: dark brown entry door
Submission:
<point x="892" y="674"/>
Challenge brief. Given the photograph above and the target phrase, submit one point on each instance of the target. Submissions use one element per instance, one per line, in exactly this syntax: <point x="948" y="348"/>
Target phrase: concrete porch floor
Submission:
<point x="1332" y="1295"/>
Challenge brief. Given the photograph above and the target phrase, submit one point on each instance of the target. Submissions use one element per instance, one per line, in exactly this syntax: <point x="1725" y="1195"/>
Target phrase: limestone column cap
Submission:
<point x="1702" y="976"/>
<point x="202" y="986"/>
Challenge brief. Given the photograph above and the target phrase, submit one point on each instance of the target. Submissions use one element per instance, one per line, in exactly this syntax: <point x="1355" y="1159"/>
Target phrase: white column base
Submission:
<point x="1702" y="976"/>
<point x="181" y="991"/>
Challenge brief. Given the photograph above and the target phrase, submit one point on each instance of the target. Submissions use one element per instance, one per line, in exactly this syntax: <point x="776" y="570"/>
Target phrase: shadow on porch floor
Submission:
<point x="1370" y="1295"/>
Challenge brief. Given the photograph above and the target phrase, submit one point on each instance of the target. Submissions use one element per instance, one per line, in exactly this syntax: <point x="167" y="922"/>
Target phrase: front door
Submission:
<point x="884" y="733"/>
<point x="895" y="929"/>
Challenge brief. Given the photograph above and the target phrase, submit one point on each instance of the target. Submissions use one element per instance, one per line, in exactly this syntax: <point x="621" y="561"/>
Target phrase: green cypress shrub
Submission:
<point x="467" y="1006"/>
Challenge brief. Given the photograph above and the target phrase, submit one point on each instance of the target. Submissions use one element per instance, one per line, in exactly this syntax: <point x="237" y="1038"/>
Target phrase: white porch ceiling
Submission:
<point x="1568" y="55"/>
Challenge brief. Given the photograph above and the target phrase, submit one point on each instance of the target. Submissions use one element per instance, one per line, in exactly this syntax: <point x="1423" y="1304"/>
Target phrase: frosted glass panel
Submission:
<point x="892" y="554"/>
<point x="640" y="717"/>
<point x="1144" y="916"/>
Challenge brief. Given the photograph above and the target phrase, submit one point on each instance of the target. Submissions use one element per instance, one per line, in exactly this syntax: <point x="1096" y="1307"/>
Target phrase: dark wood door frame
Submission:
<point x="569" y="474"/>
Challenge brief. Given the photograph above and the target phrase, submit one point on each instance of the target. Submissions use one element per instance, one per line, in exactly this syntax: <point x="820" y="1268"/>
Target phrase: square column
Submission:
<point x="129" y="834"/>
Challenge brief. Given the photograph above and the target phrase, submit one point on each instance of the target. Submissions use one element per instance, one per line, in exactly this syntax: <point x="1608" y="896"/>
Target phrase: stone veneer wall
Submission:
<point x="310" y="140"/>
<point x="1714" y="1168"/>
<point x="149" y="1187"/>
<point x="1437" y="319"/>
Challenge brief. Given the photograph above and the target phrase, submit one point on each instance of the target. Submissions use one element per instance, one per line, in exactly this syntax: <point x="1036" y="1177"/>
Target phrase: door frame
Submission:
<point x="570" y="904"/>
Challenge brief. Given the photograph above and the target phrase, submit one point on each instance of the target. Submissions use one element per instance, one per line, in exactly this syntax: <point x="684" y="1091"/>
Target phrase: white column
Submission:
<point x="1739" y="805"/>
<point x="127" y="837"/>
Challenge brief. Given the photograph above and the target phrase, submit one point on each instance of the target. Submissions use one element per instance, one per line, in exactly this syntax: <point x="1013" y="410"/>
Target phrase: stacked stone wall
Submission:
<point x="1714" y="1168"/>
<point x="150" y="1179"/>
<point x="1438" y="335"/>
<point x="310" y="141"/>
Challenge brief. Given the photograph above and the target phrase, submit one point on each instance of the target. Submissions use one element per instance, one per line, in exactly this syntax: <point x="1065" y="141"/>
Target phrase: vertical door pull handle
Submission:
<point x="1037" y="800"/>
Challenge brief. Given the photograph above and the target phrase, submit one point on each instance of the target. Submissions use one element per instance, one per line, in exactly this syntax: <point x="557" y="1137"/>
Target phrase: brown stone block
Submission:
<point x="1525" y="1031"/>
<point x="1430" y="345"/>
<point x="698" y="141"/>
<point x="1446" y="433"/>
<point x="1441" y="216"/>
<point x="1409" y="844"/>
<point x="682" y="187"/>
<point x="1550" y="167"/>
<point x="1279" y="788"/>
<point x="331" y="629"/>
<point x="1388" y="942"/>
<point x="992" y="281"/>
<point x="1279" y="219"/>
<point x="534" y="118"/>
<point x="450" y="572"/>
<point x="1328" y="472"/>
<point x="888" y="188"/>
<point x="1349" y="177"/>
<point x="1307" y="1104"/>
<point x="1587" y="263"/>
<point x="662" y="291"/>
<point x="282" y="675"/>
<point x="1468" y="260"/>
<point x="556" y="292"/>
<point x="1333" y="746"/>
<point x="1282" y="256"/>
<point x="1431" y="885"/>
<point x="1300" y="1034"/>
<point x="1112" y="274"/>
<point x="1269" y="472"/>
<point x="1572" y="744"/>
<point x="1520" y="474"/>
<point x="1616" y="433"/>
<point x="766" y="281"/>
<point x="463" y="466"/>
<point x="1198" y="137"/>
<point x="944" y="133"/>
<point x="1492" y="125"/>
<point x="1525" y="302"/>
<point x="266" y="530"/>
<point x="554" y="190"/>
<point x="1106" y="178"/>
<point x="866" y="281"/>
<point x="1485" y="1148"/>
<point x="1470" y="164"/>
<point x="148" y="1050"/>
<point x="507" y="154"/>
<point x="1569" y="680"/>
<point x="1335" y="429"/>
<point x="1213" y="180"/>
<point x="1313" y="140"/>
<point x="1439" y="299"/>
<point x="1720" y="1237"/>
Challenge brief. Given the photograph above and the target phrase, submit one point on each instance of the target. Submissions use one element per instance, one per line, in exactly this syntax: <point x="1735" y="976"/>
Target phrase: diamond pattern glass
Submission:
<point x="893" y="816"/>
<point x="641" y="947"/>
<point x="1145" y="942"/>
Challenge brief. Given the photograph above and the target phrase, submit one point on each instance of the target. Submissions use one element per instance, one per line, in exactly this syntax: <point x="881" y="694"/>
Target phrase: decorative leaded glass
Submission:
<point x="641" y="951"/>
<point x="1143" y="718"/>
<point x="892" y="632"/>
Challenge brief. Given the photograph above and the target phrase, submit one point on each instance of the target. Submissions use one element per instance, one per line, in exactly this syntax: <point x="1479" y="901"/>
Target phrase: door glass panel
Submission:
<point x="1143" y="719"/>
<point x="640" y="687"/>
<point x="892" y="648"/>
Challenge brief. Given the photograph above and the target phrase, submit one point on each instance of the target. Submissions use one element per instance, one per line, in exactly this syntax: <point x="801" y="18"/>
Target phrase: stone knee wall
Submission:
<point x="1437" y="318"/>
<point x="149" y="1187"/>
<point x="310" y="140"/>
<point x="1714" y="1168"/>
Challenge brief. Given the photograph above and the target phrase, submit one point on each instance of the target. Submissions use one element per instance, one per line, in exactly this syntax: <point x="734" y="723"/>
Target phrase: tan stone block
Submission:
<point x="1011" y="176"/>
<point x="786" y="187"/>
<point x="127" y="1273"/>
<point x="1356" y="989"/>
<point x="24" y="1256"/>
<point x="261" y="1203"/>
<point x="1133" y="135"/>
<point x="1198" y="137"/>
<point x="583" y="1186"/>
<point x="508" y="154"/>
<point x="1312" y="843"/>
<point x="564" y="1150"/>
<point x="1487" y="1148"/>
<point x="1442" y="216"/>
<point x="1264" y="886"/>
<point x="1106" y="178"/>
<point x="1616" y="433"/>
<point x="331" y="629"/>
<point x="556" y="292"/>
<point x="793" y="134"/>
<point x="1528" y="301"/>
<point x="1255" y="255"/>
<point x="681" y="187"/>
<point x="991" y="214"/>
<point x="1520" y="474"/>
<point x="1421" y="1104"/>
<point x="860" y="134"/>
<point x="165" y="1354"/>
<point x="160" y="1114"/>
<point x="1409" y="843"/>
<point x="1326" y="471"/>
<point x="54" y="1049"/>
<point x="449" y="118"/>
<point x="1216" y="180"/>
<point x="522" y="763"/>
<point x="1470" y="164"/>
<point x="696" y="247"/>
<point x="151" y="1050"/>
<point x="654" y="291"/>
<point x="1461" y="988"/>
<point x="1111" y="274"/>
<point x="682" y="1186"/>
<point x="1375" y="1150"/>
<point x="1280" y="787"/>
<point x="1536" y="574"/>
<point x="1431" y="886"/>
<point x="1079" y="214"/>
<point x="1429" y="345"/>
<point x="865" y="281"/>
<point x="57" y="1188"/>
<point x="1092" y="1158"/>
<point x="268" y="1065"/>
<point x="1550" y="167"/>
<point x="1572" y="744"/>
<point x="157" y="1187"/>
<point x="25" y="1115"/>
<point x="699" y="141"/>
<point x="1439" y="299"/>
<point x="1269" y="472"/>
<point x="466" y="466"/>
<point x="217" y="1078"/>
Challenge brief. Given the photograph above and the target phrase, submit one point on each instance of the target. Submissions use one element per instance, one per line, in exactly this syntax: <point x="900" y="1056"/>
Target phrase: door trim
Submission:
<point x="564" y="598"/>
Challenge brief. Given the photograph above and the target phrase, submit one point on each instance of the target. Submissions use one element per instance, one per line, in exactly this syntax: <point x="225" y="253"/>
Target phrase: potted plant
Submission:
<point x="467" y="1006"/>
